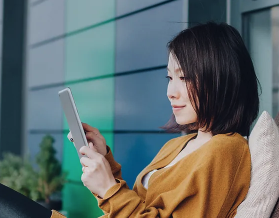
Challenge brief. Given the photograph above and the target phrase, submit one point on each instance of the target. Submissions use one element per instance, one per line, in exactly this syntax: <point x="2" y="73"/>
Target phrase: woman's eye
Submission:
<point x="182" y="78"/>
<point x="169" y="78"/>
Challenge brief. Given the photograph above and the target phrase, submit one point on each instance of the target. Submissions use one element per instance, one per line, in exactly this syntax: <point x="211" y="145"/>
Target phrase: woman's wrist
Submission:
<point x="112" y="184"/>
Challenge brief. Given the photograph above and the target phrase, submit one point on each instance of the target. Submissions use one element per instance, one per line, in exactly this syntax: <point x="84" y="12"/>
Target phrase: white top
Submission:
<point x="148" y="175"/>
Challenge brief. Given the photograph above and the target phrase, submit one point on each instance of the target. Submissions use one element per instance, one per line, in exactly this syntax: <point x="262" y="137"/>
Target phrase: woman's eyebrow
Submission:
<point x="176" y="70"/>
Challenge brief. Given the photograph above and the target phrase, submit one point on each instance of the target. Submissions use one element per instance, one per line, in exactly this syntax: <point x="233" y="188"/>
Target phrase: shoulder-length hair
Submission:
<point x="220" y="79"/>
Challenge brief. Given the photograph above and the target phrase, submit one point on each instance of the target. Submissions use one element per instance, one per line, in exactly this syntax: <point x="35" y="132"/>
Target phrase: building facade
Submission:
<point x="113" y="56"/>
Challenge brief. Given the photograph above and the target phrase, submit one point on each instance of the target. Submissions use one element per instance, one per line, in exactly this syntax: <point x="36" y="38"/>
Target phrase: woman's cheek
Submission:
<point x="186" y="116"/>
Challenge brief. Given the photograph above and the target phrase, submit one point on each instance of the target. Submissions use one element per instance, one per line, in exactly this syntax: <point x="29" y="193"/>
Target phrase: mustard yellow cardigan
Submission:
<point x="209" y="182"/>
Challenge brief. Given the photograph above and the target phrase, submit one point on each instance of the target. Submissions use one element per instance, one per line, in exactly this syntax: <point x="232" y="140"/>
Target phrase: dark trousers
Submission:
<point x="16" y="205"/>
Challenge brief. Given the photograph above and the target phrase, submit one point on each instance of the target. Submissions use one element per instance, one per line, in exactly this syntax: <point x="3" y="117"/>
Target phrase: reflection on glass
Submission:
<point x="261" y="34"/>
<point x="258" y="38"/>
<point x="275" y="60"/>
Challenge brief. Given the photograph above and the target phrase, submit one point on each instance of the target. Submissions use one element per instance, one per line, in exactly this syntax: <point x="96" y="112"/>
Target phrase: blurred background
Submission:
<point x="113" y="56"/>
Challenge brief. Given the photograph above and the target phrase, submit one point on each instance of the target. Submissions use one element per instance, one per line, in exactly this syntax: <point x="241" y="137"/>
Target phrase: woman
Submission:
<point x="213" y="92"/>
<point x="214" y="96"/>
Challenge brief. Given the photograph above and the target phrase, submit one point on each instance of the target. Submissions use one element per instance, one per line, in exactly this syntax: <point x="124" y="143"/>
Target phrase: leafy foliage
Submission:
<point x="18" y="173"/>
<point x="50" y="176"/>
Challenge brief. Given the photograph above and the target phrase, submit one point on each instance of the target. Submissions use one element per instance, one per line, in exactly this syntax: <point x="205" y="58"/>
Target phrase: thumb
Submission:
<point x="91" y="146"/>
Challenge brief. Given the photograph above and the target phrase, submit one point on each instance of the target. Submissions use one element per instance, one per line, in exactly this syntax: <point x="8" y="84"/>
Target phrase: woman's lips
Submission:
<point x="177" y="108"/>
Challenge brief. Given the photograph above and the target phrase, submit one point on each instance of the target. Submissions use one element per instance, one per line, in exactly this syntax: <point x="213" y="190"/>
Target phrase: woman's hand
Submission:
<point x="93" y="135"/>
<point x="97" y="175"/>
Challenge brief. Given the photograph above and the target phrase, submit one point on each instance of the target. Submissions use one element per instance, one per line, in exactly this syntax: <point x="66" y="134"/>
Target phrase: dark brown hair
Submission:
<point x="220" y="79"/>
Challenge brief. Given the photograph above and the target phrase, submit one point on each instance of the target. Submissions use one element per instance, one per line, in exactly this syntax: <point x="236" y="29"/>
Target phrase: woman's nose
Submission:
<point x="172" y="91"/>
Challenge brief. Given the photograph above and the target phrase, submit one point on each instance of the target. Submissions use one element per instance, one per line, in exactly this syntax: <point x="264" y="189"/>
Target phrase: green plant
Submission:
<point x="50" y="176"/>
<point x="18" y="174"/>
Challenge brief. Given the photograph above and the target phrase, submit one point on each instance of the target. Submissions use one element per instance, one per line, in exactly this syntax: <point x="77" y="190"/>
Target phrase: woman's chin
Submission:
<point x="183" y="121"/>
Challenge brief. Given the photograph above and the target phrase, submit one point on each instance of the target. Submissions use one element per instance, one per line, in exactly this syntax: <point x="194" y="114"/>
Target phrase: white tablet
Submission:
<point x="73" y="119"/>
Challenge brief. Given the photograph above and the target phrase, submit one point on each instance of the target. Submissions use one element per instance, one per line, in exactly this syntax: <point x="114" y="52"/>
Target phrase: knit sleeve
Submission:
<point x="214" y="187"/>
<point x="56" y="214"/>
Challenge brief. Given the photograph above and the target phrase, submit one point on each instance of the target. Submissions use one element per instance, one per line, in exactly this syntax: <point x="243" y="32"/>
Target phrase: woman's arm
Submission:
<point x="56" y="214"/>
<point x="213" y="188"/>
<point x="115" y="167"/>
<point x="93" y="135"/>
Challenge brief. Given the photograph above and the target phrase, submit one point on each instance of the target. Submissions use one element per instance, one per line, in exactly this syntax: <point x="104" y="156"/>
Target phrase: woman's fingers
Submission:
<point x="91" y="153"/>
<point x="85" y="161"/>
<point x="93" y="135"/>
<point x="90" y="136"/>
<point x="89" y="128"/>
<point x="91" y="146"/>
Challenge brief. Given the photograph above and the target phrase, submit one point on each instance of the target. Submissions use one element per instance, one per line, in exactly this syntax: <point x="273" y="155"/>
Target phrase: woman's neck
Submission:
<point x="203" y="137"/>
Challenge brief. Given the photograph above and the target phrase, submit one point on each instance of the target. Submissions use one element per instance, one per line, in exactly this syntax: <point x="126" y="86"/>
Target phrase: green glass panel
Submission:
<point x="90" y="53"/>
<point x="95" y="103"/>
<point x="85" y="13"/>
<point x="80" y="202"/>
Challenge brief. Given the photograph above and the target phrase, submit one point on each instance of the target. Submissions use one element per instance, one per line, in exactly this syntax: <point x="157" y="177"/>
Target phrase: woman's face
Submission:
<point x="177" y="94"/>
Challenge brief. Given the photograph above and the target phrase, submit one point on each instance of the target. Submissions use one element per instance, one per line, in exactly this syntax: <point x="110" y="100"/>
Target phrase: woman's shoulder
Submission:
<point x="222" y="150"/>
<point x="218" y="145"/>
<point x="226" y="147"/>
<point x="229" y="142"/>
